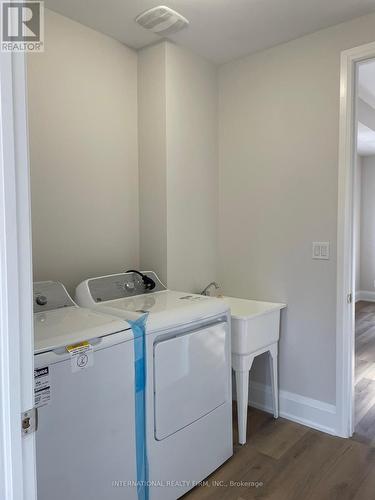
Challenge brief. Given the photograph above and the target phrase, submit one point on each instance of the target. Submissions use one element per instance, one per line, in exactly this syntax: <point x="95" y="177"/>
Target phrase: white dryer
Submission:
<point x="188" y="381"/>
<point x="86" y="436"/>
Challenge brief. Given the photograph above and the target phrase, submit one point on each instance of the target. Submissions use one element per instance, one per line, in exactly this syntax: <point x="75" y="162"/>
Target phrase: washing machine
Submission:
<point x="86" y="447"/>
<point x="188" y="376"/>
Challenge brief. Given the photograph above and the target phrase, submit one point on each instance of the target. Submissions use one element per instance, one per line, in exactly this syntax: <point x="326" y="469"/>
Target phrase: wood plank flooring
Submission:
<point x="283" y="460"/>
<point x="365" y="373"/>
<point x="287" y="461"/>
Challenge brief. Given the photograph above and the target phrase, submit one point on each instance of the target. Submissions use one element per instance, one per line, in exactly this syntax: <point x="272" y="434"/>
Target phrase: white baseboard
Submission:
<point x="365" y="295"/>
<point x="305" y="411"/>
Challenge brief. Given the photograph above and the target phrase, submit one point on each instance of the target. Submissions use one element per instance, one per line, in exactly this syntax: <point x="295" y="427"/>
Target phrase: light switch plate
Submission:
<point x="320" y="250"/>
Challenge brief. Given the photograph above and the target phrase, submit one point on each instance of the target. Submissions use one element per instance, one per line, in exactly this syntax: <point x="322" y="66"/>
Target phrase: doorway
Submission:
<point x="355" y="308"/>
<point x="364" y="255"/>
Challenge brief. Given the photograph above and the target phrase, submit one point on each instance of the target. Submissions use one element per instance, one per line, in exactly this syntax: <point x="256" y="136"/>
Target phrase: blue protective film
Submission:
<point x="139" y="330"/>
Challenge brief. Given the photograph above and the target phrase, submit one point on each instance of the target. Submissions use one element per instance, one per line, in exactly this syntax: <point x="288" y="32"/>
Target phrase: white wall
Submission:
<point x="192" y="178"/>
<point x="278" y="161"/>
<point x="277" y="146"/>
<point x="152" y="159"/>
<point x="83" y="144"/>
<point x="84" y="159"/>
<point x="367" y="265"/>
<point x="178" y="165"/>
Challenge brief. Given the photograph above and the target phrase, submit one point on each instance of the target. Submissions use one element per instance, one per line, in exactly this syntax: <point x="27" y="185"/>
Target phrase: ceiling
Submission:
<point x="219" y="30"/>
<point x="366" y="140"/>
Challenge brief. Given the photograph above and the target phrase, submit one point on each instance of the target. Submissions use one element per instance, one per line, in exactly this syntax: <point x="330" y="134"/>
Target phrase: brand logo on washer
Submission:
<point x="41" y="372"/>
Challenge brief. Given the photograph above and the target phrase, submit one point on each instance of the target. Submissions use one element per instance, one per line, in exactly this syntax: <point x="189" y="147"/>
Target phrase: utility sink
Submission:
<point x="255" y="331"/>
<point x="255" y="324"/>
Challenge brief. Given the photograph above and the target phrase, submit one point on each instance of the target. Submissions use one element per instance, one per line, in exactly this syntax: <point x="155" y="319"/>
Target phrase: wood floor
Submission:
<point x="365" y="373"/>
<point x="287" y="461"/>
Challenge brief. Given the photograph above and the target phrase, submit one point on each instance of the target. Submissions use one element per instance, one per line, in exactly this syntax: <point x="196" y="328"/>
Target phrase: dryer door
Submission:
<point x="191" y="377"/>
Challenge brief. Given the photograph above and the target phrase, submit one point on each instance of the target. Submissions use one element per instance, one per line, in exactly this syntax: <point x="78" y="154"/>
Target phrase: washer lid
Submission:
<point x="167" y="308"/>
<point x="69" y="325"/>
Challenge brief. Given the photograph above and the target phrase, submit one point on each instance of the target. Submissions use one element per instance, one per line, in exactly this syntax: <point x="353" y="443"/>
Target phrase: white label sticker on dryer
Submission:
<point x="81" y="355"/>
<point x="42" y="387"/>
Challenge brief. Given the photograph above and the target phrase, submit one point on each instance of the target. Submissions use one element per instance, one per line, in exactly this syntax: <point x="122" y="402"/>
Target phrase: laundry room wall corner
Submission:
<point x="178" y="165"/>
<point x="83" y="153"/>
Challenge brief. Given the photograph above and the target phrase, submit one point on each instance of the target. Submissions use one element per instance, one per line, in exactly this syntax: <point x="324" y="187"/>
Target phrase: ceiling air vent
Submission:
<point x="162" y="20"/>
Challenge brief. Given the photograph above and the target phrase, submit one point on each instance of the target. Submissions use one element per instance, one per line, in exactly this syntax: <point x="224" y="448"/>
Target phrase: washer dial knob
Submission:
<point x="41" y="300"/>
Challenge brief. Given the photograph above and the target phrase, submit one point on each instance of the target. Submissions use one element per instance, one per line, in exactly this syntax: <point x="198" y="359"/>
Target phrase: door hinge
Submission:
<point x="29" y="421"/>
<point x="349" y="298"/>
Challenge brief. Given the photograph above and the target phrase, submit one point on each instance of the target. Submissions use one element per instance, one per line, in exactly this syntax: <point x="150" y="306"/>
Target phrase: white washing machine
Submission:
<point x="188" y="376"/>
<point x="86" y="438"/>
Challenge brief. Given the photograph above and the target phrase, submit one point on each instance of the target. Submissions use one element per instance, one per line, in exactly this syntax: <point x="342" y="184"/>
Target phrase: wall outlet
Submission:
<point x="320" y="250"/>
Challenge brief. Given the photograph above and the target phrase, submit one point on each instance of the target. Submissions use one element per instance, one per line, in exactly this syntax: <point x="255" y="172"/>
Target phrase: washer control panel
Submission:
<point x="118" y="286"/>
<point x="50" y="295"/>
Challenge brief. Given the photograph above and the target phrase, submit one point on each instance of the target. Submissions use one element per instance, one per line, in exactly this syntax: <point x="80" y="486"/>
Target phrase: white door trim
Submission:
<point x="345" y="267"/>
<point x="17" y="453"/>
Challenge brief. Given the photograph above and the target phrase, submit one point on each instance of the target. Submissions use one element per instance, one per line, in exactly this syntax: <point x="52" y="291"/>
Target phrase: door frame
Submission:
<point x="345" y="347"/>
<point x="17" y="452"/>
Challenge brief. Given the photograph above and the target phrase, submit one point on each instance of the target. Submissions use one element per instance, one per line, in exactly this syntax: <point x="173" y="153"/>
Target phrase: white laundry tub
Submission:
<point x="254" y="324"/>
<point x="255" y="330"/>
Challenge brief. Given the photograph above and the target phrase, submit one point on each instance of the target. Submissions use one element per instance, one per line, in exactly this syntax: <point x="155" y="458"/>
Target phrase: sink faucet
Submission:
<point x="210" y="285"/>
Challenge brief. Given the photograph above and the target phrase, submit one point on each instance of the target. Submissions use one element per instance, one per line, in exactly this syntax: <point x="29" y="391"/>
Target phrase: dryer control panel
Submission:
<point x="118" y="286"/>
